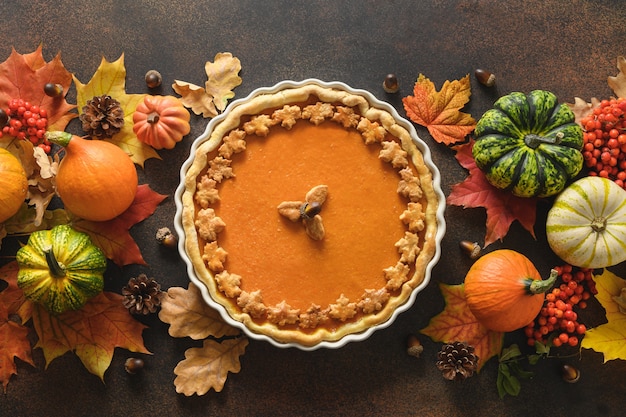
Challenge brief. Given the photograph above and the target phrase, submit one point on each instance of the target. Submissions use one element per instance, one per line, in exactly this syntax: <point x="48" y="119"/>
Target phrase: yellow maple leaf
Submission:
<point x="110" y="79"/>
<point x="189" y="316"/>
<point x="439" y="111"/>
<point x="609" y="338"/>
<point x="457" y="323"/>
<point x="208" y="367"/>
<point x="222" y="78"/>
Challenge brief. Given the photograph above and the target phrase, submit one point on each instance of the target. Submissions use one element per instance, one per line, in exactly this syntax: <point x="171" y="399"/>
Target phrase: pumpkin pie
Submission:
<point x="310" y="214"/>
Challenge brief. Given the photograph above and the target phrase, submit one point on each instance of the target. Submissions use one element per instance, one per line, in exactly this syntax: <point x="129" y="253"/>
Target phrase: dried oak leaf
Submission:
<point x="212" y="98"/>
<point x="14" y="342"/>
<point x="502" y="207"/>
<point x="618" y="82"/>
<point x="581" y="108"/>
<point x="110" y="79"/>
<point x="609" y="338"/>
<point x="456" y="322"/>
<point x="439" y="111"/>
<point x="223" y="77"/>
<point x="189" y="316"/>
<point x="208" y="367"/>
<point x="113" y="236"/>
<point x="92" y="333"/>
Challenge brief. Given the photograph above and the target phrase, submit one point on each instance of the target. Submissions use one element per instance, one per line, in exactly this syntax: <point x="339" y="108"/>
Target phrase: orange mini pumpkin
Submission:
<point x="13" y="185"/>
<point x="96" y="180"/>
<point x="504" y="290"/>
<point x="161" y="121"/>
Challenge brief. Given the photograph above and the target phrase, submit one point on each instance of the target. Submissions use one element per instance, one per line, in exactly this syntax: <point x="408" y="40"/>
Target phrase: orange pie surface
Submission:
<point x="309" y="215"/>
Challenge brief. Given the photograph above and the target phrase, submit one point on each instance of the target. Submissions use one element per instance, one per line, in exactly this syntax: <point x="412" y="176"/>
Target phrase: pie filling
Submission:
<point x="312" y="214"/>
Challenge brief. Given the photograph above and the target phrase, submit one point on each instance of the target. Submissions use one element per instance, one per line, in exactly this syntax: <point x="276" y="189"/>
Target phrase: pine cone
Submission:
<point x="457" y="361"/>
<point x="142" y="295"/>
<point x="102" y="117"/>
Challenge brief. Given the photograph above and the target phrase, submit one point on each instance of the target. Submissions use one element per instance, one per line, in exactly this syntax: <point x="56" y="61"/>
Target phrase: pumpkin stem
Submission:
<point x="60" y="138"/>
<point x="598" y="224"/>
<point x="539" y="286"/>
<point x="533" y="141"/>
<point x="56" y="270"/>
<point x="153" y="118"/>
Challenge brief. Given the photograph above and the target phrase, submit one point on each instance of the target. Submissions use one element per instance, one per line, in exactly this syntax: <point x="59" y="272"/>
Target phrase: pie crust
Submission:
<point x="309" y="214"/>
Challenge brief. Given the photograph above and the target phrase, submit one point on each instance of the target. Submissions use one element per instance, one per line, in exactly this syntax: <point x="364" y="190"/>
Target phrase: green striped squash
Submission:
<point x="529" y="144"/>
<point x="60" y="269"/>
<point x="586" y="225"/>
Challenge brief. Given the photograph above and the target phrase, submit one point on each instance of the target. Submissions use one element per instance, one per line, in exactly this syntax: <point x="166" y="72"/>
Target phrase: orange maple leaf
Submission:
<point x="502" y="207"/>
<point x="93" y="332"/>
<point x="457" y="323"/>
<point x="14" y="342"/>
<point x="23" y="76"/>
<point x="113" y="236"/>
<point x="439" y="111"/>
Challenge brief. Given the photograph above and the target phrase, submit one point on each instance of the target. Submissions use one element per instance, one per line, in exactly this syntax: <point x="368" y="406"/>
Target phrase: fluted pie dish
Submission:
<point x="310" y="214"/>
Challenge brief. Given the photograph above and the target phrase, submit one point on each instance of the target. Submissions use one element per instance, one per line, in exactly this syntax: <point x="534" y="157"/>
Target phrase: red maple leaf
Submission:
<point x="14" y="341"/>
<point x="456" y="323"/>
<point x="502" y="207"/>
<point x="113" y="236"/>
<point x="24" y="76"/>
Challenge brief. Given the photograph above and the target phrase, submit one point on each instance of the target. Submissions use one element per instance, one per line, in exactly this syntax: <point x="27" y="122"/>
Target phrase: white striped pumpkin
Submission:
<point x="586" y="226"/>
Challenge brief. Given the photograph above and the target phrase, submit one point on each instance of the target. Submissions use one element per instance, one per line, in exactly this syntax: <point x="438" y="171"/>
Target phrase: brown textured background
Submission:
<point x="568" y="47"/>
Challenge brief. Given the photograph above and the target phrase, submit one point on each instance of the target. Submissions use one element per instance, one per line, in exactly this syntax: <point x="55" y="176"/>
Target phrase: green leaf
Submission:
<point x="507" y="383"/>
<point x="509" y="353"/>
<point x="541" y="349"/>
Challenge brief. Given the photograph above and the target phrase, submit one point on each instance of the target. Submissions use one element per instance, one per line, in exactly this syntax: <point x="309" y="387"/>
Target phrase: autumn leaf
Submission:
<point x="503" y="208"/>
<point x="14" y="342"/>
<point x="618" y="82"/>
<point x="23" y="76"/>
<point x="457" y="323"/>
<point x="110" y="79"/>
<point x="222" y="77"/>
<point x="609" y="338"/>
<point x="208" y="367"/>
<point x="439" y="111"/>
<point x="113" y="236"/>
<point x="581" y="108"/>
<point x="189" y="315"/>
<point x="92" y="333"/>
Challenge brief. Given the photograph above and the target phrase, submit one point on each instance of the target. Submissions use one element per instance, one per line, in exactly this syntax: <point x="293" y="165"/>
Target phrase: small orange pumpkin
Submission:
<point x="13" y="185"/>
<point x="504" y="290"/>
<point x="96" y="180"/>
<point x="161" y="121"/>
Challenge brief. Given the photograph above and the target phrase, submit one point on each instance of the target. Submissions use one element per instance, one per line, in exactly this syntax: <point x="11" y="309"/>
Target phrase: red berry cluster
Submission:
<point x="26" y="121"/>
<point x="604" y="146"/>
<point x="557" y="322"/>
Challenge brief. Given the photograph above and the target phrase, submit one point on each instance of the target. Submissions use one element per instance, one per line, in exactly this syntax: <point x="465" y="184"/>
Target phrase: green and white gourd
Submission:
<point x="586" y="226"/>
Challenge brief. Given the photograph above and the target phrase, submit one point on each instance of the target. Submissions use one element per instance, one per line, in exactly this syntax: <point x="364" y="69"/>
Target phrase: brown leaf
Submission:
<point x="581" y="108"/>
<point x="439" y="111"/>
<point x="457" y="323"/>
<point x="207" y="367"/>
<point x="93" y="332"/>
<point x="618" y="82"/>
<point x="222" y="78"/>
<point x="190" y="316"/>
<point x="195" y="97"/>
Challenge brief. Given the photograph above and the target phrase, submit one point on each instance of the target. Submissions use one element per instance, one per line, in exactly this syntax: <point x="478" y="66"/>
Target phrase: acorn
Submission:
<point x="414" y="346"/>
<point x="53" y="90"/>
<point x="133" y="365"/>
<point x="472" y="249"/>
<point x="390" y="85"/>
<point x="485" y="77"/>
<point x="153" y="79"/>
<point x="570" y="374"/>
<point x="166" y="238"/>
